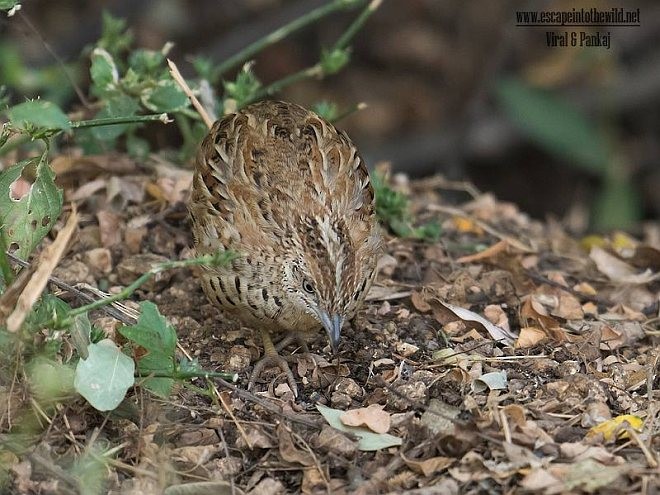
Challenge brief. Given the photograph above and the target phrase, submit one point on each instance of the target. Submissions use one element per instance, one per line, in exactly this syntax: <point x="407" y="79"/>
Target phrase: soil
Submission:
<point x="567" y="342"/>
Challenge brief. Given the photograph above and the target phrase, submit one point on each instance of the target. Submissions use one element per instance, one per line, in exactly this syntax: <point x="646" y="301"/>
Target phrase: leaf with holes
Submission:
<point x="26" y="219"/>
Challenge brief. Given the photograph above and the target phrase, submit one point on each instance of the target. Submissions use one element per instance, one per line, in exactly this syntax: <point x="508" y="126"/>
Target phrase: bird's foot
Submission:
<point x="297" y="338"/>
<point x="273" y="360"/>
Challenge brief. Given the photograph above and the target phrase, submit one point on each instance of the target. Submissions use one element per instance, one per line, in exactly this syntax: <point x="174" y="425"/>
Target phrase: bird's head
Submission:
<point x="334" y="270"/>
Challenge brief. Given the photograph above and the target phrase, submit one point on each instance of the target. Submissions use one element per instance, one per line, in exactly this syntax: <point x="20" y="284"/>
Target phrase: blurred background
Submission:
<point x="453" y="88"/>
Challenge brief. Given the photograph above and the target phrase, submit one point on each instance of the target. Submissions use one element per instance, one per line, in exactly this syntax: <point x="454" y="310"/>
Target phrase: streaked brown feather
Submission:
<point x="288" y="192"/>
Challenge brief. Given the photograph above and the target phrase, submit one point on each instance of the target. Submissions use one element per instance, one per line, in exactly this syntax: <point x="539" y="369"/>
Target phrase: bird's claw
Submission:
<point x="273" y="360"/>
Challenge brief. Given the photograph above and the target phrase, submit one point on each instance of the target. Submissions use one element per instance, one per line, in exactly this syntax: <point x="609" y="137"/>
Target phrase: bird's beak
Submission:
<point x="332" y="325"/>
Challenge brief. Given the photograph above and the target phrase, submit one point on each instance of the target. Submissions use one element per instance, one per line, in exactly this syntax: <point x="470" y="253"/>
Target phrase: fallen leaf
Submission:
<point x="368" y="440"/>
<point x="489" y="252"/>
<point x="497" y="316"/>
<point x="288" y="449"/>
<point x="618" y="270"/>
<point x="495" y="380"/>
<point x="373" y="417"/>
<point x="590" y="475"/>
<point x="614" y="428"/>
<point x="533" y="310"/>
<point x="420" y="301"/>
<point x="530" y="337"/>
<point x="427" y="467"/>
<point x="497" y="333"/>
<point x="466" y="225"/>
<point x="620" y="334"/>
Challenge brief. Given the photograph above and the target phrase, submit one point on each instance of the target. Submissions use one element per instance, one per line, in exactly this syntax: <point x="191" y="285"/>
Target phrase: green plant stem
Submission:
<point x="349" y="111"/>
<point x="316" y="70"/>
<point x="186" y="130"/>
<point x="356" y="25"/>
<point x="187" y="375"/>
<point x="214" y="260"/>
<point x="135" y="119"/>
<point x="248" y="52"/>
<point x="313" y="71"/>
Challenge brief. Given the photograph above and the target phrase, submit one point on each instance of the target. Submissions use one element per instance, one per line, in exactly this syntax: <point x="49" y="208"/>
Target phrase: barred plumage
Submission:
<point x="288" y="192"/>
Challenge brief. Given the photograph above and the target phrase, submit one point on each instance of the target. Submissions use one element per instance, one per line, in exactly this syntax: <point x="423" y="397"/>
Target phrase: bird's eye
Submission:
<point x="308" y="287"/>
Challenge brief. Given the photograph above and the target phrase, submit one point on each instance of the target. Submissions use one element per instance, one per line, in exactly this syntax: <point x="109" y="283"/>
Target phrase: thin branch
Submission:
<point x="134" y="119"/>
<point x="244" y="394"/>
<point x="111" y="311"/>
<point x="216" y="259"/>
<point x="81" y="96"/>
<point x="317" y="70"/>
<point x="356" y="25"/>
<point x="279" y="34"/>
<point x="178" y="78"/>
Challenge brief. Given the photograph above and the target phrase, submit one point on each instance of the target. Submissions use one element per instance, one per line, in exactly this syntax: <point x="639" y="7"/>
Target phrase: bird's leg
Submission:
<point x="295" y="337"/>
<point x="272" y="358"/>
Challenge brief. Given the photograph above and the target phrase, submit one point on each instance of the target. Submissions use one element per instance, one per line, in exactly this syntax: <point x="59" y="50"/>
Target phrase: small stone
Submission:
<point x="408" y="395"/>
<point x="99" y="261"/>
<point x="349" y="387"/>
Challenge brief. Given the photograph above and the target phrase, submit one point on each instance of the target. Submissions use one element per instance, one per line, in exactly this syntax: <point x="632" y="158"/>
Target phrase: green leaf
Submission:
<point x="115" y="38"/>
<point x="165" y="96"/>
<point x="137" y="147"/>
<point x="47" y="308"/>
<point x="24" y="222"/>
<point x="103" y="72"/>
<point x="50" y="380"/>
<point x="244" y="87"/>
<point x="152" y="331"/>
<point x="38" y="113"/>
<point x="555" y="125"/>
<point x="368" y="439"/>
<point x="158" y="338"/>
<point x="326" y="109"/>
<point x="147" y="63"/>
<point x="105" y="376"/>
<point x="8" y="4"/>
<point x="332" y="61"/>
<point x="204" y="67"/>
<point x="81" y="331"/>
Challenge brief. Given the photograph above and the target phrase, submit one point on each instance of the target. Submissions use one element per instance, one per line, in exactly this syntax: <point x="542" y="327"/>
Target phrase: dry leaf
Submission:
<point x="466" y="225"/>
<point x="497" y="333"/>
<point x="614" y="428"/>
<point x="490" y="252"/>
<point x="430" y="466"/>
<point x="618" y="270"/>
<point x="497" y="316"/>
<point x="530" y="337"/>
<point x="419" y="300"/>
<point x="373" y="417"/>
<point x="288" y="449"/>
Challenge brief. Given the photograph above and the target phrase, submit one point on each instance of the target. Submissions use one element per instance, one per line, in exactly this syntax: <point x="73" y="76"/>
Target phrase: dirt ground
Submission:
<point x="492" y="354"/>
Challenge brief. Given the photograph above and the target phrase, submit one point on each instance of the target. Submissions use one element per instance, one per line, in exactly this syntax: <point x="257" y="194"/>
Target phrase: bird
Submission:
<point x="289" y="194"/>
